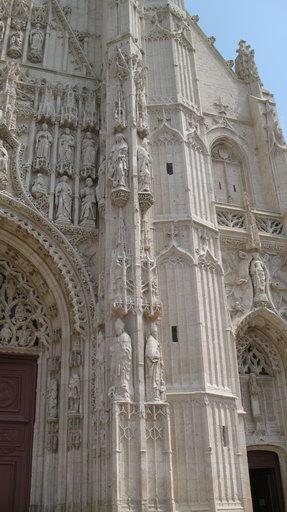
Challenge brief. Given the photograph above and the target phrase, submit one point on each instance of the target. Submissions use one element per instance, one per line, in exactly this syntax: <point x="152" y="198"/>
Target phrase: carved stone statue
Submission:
<point x="89" y="153"/>
<point x="119" y="164"/>
<point x="259" y="278"/>
<point x="66" y="153"/>
<point x="255" y="392"/>
<point x="43" y="148"/>
<point x="90" y="114"/>
<point x="2" y="30"/>
<point x="88" y="196"/>
<point x="47" y="105"/>
<point x="69" y="112"/>
<point x="63" y="199"/>
<point x="36" y="42"/>
<point x="100" y="369"/>
<point x="121" y="364"/>
<point x="16" y="44"/>
<point x="39" y="188"/>
<point x="74" y="394"/>
<point x="9" y="77"/>
<point x="101" y="186"/>
<point x="4" y="158"/>
<point x="120" y="113"/>
<point x="154" y="382"/>
<point x="144" y="168"/>
<point x="53" y="398"/>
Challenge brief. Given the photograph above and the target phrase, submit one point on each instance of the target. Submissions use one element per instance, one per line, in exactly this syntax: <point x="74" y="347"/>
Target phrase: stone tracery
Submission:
<point x="23" y="317"/>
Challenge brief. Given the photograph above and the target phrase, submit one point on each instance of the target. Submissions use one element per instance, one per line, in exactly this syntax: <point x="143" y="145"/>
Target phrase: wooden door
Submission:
<point x="17" y="408"/>
<point x="265" y="480"/>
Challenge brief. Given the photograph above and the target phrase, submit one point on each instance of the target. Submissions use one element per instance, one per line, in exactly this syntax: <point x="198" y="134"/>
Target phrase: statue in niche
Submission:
<point x="121" y="364"/>
<point x="155" y="387"/>
<point x="100" y="370"/>
<point x="9" y="76"/>
<point x="53" y="399"/>
<point x="89" y="153"/>
<point x="259" y="278"/>
<point x="142" y="119"/>
<point x="16" y="43"/>
<point x="47" y="105"/>
<point x="43" y="148"/>
<point x="4" y="158"/>
<point x="63" y="199"/>
<point x="120" y="113"/>
<point x="39" y="188"/>
<point x="2" y="30"/>
<point x="119" y="162"/>
<point x="66" y="152"/>
<point x="90" y="117"/>
<point x="255" y="393"/>
<point x="36" y="42"/>
<point x="74" y="394"/>
<point x="88" y="196"/>
<point x="144" y="168"/>
<point x="69" y="110"/>
<point x="101" y="186"/>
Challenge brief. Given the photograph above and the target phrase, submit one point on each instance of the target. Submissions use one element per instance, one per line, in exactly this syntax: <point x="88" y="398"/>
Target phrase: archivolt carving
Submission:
<point x="23" y="317"/>
<point x="75" y="277"/>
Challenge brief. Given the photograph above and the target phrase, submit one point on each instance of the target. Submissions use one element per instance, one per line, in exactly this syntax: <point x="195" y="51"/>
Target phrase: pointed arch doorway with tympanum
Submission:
<point x="265" y="481"/>
<point x="18" y="376"/>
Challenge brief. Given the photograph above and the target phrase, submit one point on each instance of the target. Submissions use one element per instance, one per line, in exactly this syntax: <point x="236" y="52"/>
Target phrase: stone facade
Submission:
<point x="143" y="217"/>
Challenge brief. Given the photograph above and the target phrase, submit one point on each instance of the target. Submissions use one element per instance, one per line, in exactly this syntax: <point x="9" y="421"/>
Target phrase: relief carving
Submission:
<point x="43" y="145"/>
<point x="16" y="39"/>
<point x="23" y="318"/>
<point x="155" y="386"/>
<point x="66" y="153"/>
<point x="74" y="394"/>
<point x="88" y="196"/>
<point x="89" y="153"/>
<point x="119" y="171"/>
<point x="4" y="159"/>
<point x="63" y="201"/>
<point x="121" y="364"/>
<point x="69" y="111"/>
<point x="52" y="398"/>
<point x="36" y="43"/>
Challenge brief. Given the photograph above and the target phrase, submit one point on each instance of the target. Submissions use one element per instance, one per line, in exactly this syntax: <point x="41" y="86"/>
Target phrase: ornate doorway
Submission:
<point x="17" y="410"/>
<point x="265" y="480"/>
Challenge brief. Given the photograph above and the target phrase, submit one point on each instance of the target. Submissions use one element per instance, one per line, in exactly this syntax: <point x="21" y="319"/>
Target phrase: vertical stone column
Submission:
<point x="140" y="456"/>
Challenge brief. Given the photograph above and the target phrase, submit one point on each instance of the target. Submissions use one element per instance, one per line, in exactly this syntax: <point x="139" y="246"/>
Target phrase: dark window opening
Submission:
<point x="219" y="185"/>
<point x="169" y="168"/>
<point x="225" y="436"/>
<point x="174" y="334"/>
<point x="234" y="188"/>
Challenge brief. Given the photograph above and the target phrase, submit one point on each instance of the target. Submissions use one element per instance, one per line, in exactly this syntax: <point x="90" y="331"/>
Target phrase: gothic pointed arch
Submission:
<point x="47" y="240"/>
<point x="230" y="171"/>
<point x="175" y="255"/>
<point x="165" y="134"/>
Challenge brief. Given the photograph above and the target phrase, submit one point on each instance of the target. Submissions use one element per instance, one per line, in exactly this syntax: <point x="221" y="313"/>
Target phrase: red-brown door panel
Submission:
<point x="17" y="410"/>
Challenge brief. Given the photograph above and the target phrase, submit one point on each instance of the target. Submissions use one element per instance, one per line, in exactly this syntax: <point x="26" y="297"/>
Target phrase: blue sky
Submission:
<point x="260" y="22"/>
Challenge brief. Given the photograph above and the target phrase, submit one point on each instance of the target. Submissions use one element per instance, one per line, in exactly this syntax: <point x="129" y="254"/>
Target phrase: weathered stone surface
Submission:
<point x="143" y="198"/>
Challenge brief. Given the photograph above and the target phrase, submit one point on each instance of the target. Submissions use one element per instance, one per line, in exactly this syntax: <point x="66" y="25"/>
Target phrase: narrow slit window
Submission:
<point x="225" y="440"/>
<point x="169" y="168"/>
<point x="219" y="185"/>
<point x="234" y="188"/>
<point x="174" y="334"/>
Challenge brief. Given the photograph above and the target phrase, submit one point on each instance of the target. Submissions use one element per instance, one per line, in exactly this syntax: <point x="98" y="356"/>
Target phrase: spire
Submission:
<point x="245" y="66"/>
